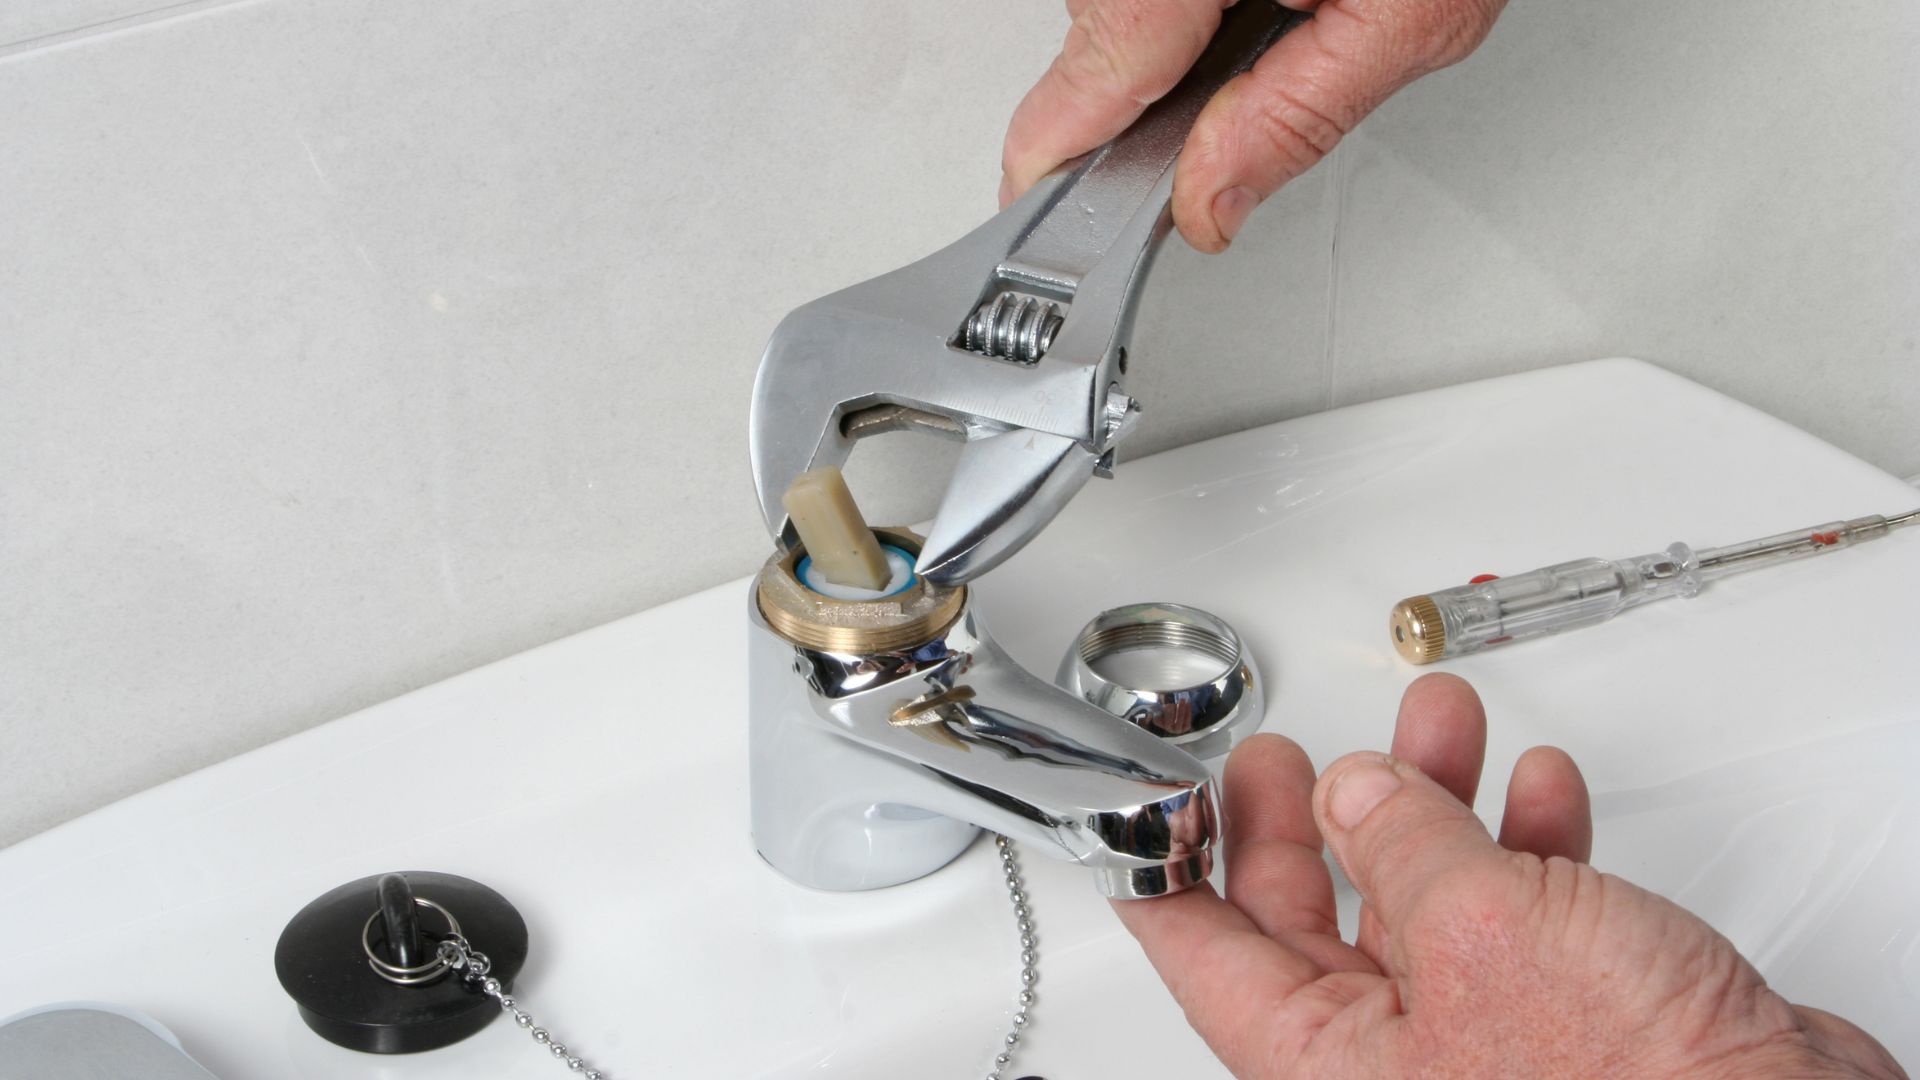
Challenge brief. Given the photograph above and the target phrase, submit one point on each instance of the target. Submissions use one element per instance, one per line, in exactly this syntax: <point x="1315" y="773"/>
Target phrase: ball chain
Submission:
<point x="477" y="965"/>
<point x="456" y="953"/>
<point x="1029" y="955"/>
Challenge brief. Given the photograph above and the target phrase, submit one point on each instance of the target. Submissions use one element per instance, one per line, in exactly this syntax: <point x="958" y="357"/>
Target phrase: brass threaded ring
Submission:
<point x="808" y="619"/>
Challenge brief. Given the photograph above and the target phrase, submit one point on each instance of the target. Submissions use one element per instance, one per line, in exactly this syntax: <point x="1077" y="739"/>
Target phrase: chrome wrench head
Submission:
<point x="890" y="354"/>
<point x="1013" y="339"/>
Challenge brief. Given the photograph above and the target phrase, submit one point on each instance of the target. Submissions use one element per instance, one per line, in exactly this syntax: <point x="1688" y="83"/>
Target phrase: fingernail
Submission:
<point x="1359" y="790"/>
<point x="1231" y="207"/>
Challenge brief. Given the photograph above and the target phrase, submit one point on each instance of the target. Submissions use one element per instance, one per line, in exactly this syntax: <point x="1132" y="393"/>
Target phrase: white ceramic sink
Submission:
<point x="1748" y="751"/>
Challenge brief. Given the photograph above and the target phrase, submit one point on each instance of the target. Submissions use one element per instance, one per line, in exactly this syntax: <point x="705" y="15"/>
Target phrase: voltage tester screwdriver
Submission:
<point x="1492" y="610"/>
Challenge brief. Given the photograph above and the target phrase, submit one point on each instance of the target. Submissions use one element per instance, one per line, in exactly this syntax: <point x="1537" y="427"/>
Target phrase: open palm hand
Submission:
<point x="1474" y="958"/>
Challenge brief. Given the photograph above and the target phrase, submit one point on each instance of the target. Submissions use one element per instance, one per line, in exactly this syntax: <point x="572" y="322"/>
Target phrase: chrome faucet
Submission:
<point x="885" y="733"/>
<point x="882" y="741"/>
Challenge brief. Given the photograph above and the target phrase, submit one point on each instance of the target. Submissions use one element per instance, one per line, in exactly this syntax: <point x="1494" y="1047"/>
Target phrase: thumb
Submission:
<point x="1272" y="123"/>
<point x="1397" y="834"/>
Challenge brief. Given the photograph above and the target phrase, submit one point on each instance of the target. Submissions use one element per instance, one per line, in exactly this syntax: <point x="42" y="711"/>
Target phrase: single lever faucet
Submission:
<point x="885" y="734"/>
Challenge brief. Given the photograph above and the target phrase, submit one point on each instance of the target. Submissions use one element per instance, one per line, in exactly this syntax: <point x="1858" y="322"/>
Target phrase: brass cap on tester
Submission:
<point x="1418" y="632"/>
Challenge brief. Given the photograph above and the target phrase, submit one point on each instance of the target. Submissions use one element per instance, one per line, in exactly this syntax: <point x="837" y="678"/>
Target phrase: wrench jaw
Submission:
<point x="1008" y="483"/>
<point x="882" y="341"/>
<point x="795" y="420"/>
<point x="1005" y="489"/>
<point x="893" y="353"/>
<point x="1010" y="480"/>
<point x="883" y="356"/>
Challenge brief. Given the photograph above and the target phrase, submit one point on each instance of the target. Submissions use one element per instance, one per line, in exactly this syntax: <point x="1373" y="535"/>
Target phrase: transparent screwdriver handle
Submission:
<point x="1554" y="598"/>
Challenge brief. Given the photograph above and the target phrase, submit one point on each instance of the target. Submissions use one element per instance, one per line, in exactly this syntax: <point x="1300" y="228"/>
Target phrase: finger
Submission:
<point x="1396" y="833"/>
<point x="1274" y="870"/>
<point x="1849" y="1044"/>
<point x="1246" y="994"/>
<point x="1442" y="731"/>
<point x="1548" y="812"/>
<point x="1274" y="122"/>
<point x="1231" y="980"/>
<point x="1119" y="56"/>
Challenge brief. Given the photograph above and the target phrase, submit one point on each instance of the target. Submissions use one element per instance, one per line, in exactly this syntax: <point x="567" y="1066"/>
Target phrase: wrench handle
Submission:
<point x="1105" y="191"/>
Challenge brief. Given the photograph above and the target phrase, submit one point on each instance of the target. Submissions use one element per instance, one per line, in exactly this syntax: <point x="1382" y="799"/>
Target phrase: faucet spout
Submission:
<point x="872" y="768"/>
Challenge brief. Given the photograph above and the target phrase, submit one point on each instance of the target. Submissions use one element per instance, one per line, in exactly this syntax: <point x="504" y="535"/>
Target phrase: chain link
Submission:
<point x="460" y="955"/>
<point x="1029" y="955"/>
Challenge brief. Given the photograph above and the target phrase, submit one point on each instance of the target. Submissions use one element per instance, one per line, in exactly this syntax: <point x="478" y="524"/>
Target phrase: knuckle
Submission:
<point x="1101" y="64"/>
<point x="1558" y="891"/>
<point x="1443" y="34"/>
<point x="1117" y="48"/>
<point x="1017" y="152"/>
<point x="1295" y="132"/>
<point x="1391" y="841"/>
<point x="1575" y="913"/>
<point x="1281" y="869"/>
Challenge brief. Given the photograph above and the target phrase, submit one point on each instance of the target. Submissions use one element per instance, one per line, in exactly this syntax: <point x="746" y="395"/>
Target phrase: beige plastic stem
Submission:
<point x="836" y="537"/>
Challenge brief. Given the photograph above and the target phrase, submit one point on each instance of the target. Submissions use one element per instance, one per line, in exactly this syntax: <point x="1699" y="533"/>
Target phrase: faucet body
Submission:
<point x="871" y="768"/>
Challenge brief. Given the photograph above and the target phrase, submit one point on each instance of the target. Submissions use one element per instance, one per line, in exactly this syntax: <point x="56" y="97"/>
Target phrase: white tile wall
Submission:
<point x="346" y="345"/>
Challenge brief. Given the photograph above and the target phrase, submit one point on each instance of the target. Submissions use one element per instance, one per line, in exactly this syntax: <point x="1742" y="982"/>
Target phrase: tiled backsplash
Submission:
<point x="346" y="345"/>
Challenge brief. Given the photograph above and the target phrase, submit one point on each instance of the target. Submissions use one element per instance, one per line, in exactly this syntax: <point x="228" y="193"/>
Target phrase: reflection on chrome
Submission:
<point x="873" y="769"/>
